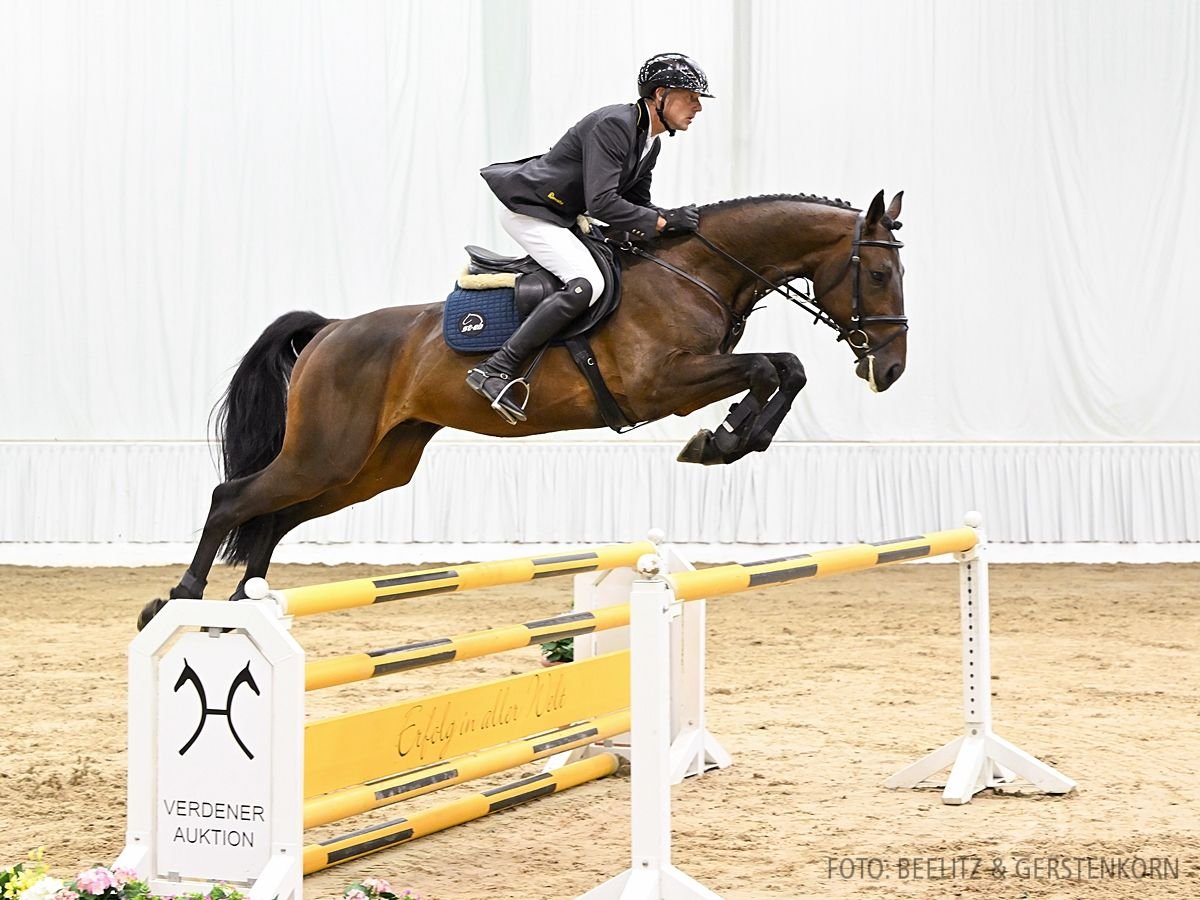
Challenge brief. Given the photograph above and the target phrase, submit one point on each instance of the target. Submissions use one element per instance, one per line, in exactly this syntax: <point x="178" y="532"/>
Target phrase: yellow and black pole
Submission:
<point x="321" y="598"/>
<point x="330" y="852"/>
<point x="373" y="663"/>
<point x="853" y="558"/>
<point x="360" y="798"/>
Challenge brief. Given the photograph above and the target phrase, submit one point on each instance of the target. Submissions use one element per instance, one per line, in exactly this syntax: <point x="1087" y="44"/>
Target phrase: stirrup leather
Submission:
<point x="512" y="412"/>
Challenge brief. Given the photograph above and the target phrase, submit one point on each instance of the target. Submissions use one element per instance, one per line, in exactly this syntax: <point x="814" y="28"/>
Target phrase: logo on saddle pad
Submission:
<point x="470" y="323"/>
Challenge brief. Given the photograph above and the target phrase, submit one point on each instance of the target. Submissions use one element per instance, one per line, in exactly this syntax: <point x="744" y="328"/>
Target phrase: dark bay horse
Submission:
<point x="323" y="413"/>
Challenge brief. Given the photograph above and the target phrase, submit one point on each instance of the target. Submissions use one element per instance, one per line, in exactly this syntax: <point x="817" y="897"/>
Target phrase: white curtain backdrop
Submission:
<point x="174" y="175"/>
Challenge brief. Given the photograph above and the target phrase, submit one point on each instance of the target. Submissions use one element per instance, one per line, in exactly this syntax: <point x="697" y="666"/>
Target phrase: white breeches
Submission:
<point x="555" y="248"/>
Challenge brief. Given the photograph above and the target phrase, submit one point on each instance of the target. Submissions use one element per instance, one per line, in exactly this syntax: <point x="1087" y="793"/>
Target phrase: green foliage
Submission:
<point x="559" y="651"/>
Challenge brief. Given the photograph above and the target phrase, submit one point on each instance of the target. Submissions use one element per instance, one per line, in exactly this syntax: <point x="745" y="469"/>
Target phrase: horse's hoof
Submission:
<point x="694" y="451"/>
<point x="703" y="449"/>
<point x="149" y="611"/>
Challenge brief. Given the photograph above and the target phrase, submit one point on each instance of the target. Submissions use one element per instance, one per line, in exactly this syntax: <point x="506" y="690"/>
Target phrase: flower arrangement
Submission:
<point x="28" y="880"/>
<point x="377" y="889"/>
<point x="31" y="880"/>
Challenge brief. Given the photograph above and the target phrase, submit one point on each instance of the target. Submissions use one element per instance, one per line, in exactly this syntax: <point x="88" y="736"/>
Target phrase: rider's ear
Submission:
<point x="875" y="211"/>
<point x="893" y="210"/>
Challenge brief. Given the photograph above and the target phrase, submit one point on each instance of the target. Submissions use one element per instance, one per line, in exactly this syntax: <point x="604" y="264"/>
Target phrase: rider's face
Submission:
<point x="681" y="107"/>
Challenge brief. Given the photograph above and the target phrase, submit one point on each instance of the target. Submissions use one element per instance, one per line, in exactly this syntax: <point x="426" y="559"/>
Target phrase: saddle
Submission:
<point x="495" y="293"/>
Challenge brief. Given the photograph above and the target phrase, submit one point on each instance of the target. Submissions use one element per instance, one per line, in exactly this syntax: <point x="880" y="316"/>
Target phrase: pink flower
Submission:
<point x="66" y="894"/>
<point x="123" y="876"/>
<point x="95" y="881"/>
<point x="378" y="885"/>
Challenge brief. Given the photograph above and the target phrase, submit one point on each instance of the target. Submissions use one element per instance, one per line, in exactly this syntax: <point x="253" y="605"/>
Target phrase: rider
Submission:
<point x="601" y="166"/>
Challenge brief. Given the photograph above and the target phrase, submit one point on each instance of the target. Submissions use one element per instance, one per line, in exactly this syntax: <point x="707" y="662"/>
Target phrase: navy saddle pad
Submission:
<point x="479" y="321"/>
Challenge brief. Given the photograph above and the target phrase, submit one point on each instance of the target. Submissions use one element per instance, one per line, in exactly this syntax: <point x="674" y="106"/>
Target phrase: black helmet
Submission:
<point x="672" y="70"/>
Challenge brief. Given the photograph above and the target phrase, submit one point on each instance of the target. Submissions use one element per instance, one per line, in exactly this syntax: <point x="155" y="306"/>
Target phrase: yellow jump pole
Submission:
<point x="352" y="667"/>
<point x="320" y="598"/>
<point x="406" y="785"/>
<point x="454" y="812"/>
<point x="853" y="558"/>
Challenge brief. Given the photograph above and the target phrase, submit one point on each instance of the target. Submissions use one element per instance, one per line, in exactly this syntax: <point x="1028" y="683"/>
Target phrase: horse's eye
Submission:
<point x="878" y="277"/>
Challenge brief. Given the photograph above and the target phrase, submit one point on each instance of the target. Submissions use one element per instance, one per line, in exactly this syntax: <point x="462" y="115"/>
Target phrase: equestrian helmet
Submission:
<point x="672" y="70"/>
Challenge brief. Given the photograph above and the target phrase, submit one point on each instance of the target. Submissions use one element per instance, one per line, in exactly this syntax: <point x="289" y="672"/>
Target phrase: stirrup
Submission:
<point x="511" y="412"/>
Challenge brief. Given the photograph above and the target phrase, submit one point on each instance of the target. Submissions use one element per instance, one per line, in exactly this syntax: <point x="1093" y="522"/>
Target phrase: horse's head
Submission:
<point x="861" y="287"/>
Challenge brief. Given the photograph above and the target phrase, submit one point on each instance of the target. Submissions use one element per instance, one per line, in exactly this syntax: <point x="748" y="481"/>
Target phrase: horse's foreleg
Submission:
<point x="751" y="425"/>
<point x="706" y="379"/>
<point x="391" y="465"/>
<point x="761" y="430"/>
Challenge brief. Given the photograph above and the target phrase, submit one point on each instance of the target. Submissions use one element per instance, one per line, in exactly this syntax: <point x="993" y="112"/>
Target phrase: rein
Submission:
<point x="855" y="335"/>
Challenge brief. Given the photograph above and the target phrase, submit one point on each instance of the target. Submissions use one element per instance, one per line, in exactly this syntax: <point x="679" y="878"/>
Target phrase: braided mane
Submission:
<point x="767" y="198"/>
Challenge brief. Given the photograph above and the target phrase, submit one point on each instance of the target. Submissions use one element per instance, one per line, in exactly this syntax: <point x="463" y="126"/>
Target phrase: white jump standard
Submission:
<point x="978" y="760"/>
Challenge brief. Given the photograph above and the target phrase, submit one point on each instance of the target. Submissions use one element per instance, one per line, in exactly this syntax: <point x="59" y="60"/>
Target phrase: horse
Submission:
<point x="324" y="413"/>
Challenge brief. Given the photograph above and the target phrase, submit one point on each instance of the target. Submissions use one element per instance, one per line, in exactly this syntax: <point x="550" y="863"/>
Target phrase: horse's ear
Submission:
<point x="893" y="210"/>
<point x="875" y="210"/>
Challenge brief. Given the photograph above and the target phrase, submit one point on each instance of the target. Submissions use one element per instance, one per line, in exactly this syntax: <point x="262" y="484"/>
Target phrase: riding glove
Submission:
<point x="683" y="220"/>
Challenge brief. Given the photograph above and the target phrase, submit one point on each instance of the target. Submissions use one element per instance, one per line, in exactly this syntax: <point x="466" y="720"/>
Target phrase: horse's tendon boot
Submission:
<point x="740" y="413"/>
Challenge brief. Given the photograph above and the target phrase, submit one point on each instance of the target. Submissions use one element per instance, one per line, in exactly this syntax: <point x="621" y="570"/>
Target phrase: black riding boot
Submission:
<point x="494" y="377"/>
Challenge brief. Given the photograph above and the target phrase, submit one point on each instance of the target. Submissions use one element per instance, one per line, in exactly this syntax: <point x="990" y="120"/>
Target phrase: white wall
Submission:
<point x="174" y="175"/>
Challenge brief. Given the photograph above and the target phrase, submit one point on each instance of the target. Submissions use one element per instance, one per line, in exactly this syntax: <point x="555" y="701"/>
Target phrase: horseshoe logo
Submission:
<point x="243" y="677"/>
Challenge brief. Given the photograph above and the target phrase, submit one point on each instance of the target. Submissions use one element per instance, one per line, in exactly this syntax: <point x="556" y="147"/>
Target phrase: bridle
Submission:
<point x="855" y="335"/>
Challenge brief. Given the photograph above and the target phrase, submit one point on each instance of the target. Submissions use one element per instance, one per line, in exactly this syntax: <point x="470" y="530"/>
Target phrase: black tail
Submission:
<point x="250" y="418"/>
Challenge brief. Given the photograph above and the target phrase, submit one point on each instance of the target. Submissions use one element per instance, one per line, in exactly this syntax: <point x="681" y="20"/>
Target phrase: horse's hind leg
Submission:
<point x="391" y="465"/>
<point x="306" y="467"/>
<point x="283" y="483"/>
<point x="234" y="503"/>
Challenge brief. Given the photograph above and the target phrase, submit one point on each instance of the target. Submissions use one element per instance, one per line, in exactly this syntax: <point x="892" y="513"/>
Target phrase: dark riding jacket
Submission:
<point x="596" y="167"/>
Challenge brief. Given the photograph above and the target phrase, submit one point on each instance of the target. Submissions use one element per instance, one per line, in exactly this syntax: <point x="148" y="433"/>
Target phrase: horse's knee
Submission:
<point x="764" y="379"/>
<point x="792" y="377"/>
